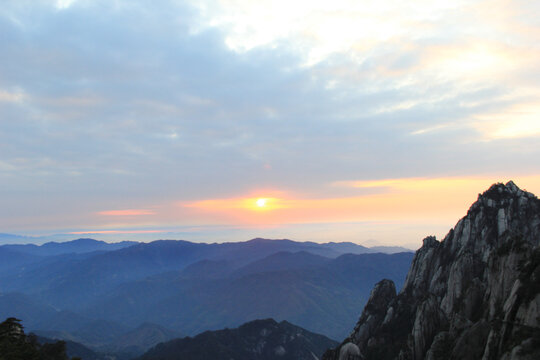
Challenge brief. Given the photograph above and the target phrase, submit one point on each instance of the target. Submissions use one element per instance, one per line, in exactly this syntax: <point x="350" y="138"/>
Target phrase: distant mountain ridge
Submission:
<point x="83" y="245"/>
<point x="78" y="246"/>
<point x="90" y="292"/>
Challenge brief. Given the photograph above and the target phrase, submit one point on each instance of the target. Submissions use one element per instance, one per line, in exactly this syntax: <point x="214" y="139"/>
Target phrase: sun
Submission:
<point x="261" y="202"/>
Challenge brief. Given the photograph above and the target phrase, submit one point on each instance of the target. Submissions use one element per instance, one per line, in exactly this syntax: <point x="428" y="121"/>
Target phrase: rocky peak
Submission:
<point x="384" y="290"/>
<point x="469" y="296"/>
<point x="430" y="241"/>
<point x="374" y="312"/>
<point x="500" y="191"/>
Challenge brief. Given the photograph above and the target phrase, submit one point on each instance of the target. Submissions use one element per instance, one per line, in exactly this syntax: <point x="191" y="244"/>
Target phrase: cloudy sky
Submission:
<point x="377" y="122"/>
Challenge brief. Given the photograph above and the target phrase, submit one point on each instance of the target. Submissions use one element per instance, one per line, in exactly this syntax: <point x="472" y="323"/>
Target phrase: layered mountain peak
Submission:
<point x="474" y="295"/>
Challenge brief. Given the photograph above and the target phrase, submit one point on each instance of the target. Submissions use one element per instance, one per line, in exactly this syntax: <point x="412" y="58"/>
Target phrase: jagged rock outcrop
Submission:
<point x="474" y="295"/>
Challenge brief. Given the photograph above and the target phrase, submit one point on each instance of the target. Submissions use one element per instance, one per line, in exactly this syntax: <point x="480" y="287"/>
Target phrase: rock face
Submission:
<point x="474" y="295"/>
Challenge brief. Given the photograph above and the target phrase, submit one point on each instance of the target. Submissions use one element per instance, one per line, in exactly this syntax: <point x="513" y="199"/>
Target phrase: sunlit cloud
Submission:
<point x="440" y="185"/>
<point x="471" y="60"/>
<point x="413" y="46"/>
<point x="520" y="120"/>
<point x="321" y="28"/>
<point x="429" y="130"/>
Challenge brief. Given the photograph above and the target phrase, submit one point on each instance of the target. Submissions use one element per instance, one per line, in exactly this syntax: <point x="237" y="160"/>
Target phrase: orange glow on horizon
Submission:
<point x="239" y="204"/>
<point x="404" y="200"/>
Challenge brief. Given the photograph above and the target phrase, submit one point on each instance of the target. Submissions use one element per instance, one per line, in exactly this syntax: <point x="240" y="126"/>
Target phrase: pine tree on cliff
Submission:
<point x="16" y="345"/>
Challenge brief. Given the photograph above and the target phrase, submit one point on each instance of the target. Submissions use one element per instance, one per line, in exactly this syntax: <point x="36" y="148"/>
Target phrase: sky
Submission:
<point x="376" y="122"/>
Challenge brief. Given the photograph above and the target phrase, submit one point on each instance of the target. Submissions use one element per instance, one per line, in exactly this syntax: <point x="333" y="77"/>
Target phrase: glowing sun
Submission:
<point x="261" y="202"/>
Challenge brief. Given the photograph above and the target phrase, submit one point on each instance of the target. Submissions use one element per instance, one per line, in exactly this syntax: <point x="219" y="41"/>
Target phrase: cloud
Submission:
<point x="64" y="4"/>
<point x="10" y="96"/>
<point x="128" y="212"/>
<point x="516" y="121"/>
<point x="115" y="232"/>
<point x="110" y="101"/>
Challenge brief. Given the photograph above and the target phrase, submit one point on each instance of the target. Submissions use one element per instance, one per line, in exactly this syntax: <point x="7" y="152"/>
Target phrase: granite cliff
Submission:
<point x="474" y="295"/>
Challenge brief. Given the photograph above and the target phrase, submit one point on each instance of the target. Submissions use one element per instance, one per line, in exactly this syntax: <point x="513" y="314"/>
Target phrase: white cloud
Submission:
<point x="9" y="96"/>
<point x="64" y="4"/>
<point x="319" y="28"/>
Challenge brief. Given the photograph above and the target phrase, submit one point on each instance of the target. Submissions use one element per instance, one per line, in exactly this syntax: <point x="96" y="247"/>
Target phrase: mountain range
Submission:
<point x="102" y="295"/>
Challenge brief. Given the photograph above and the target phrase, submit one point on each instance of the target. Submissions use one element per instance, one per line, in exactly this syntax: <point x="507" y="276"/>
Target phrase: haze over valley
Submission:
<point x="104" y="295"/>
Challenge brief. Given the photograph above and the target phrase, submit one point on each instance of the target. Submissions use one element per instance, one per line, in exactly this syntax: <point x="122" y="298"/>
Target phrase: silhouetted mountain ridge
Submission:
<point x="256" y="340"/>
<point x="78" y="246"/>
